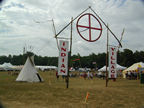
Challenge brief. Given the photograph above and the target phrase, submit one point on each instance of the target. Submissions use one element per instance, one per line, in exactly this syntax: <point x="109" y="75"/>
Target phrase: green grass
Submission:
<point x="52" y="93"/>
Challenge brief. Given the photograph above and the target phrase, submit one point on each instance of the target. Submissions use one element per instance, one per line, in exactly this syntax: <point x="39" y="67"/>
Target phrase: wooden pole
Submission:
<point x="71" y="35"/>
<point x="107" y="58"/>
<point x="55" y="34"/>
<point x="107" y="27"/>
<point x="70" y="22"/>
<point x="69" y="57"/>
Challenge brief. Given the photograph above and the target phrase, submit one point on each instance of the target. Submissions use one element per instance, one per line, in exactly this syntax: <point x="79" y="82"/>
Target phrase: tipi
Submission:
<point x="29" y="72"/>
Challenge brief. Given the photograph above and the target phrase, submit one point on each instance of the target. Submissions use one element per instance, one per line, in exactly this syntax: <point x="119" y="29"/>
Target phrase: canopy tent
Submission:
<point x="29" y="72"/>
<point x="103" y="69"/>
<point x="17" y="68"/>
<point x="118" y="67"/>
<point x="43" y="68"/>
<point x="6" y="66"/>
<point x="133" y="68"/>
<point x="9" y="67"/>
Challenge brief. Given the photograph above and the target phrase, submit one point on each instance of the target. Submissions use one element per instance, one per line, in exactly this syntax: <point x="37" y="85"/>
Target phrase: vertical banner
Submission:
<point x="112" y="61"/>
<point x="63" y="58"/>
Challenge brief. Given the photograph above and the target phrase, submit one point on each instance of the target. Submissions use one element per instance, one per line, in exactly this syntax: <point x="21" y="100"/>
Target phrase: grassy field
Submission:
<point x="52" y="93"/>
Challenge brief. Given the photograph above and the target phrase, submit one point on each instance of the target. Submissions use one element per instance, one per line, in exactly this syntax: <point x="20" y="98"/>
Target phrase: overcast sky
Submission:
<point x="27" y="23"/>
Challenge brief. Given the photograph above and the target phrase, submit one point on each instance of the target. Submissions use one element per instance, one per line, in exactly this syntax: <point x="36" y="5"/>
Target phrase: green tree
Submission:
<point x="127" y="57"/>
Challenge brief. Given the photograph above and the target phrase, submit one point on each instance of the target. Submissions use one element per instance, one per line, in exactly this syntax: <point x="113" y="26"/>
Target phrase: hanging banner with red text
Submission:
<point x="112" y="61"/>
<point x="63" y="58"/>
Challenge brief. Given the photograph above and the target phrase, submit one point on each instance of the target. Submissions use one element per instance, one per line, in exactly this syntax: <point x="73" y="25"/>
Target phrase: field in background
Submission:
<point x="52" y="93"/>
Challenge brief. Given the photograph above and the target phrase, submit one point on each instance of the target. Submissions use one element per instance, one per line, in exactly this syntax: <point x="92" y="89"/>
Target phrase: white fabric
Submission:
<point x="28" y="72"/>
<point x="46" y="67"/>
<point x="112" y="62"/>
<point x="118" y="67"/>
<point x="63" y="58"/>
<point x="6" y="66"/>
<point x="103" y="69"/>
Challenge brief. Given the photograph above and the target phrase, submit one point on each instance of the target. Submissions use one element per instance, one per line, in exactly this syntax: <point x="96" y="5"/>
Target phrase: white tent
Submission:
<point x="6" y="66"/>
<point x="29" y="72"/>
<point x="43" y="68"/>
<point x="103" y="69"/>
<point x="118" y="68"/>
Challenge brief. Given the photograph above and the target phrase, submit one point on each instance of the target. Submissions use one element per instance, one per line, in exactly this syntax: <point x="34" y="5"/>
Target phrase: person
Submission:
<point x="129" y="75"/>
<point x="91" y="75"/>
<point x="85" y="75"/>
<point x="88" y="74"/>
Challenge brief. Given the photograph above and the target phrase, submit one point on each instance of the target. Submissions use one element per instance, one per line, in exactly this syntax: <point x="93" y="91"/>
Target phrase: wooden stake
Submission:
<point x="69" y="57"/>
<point x="107" y="58"/>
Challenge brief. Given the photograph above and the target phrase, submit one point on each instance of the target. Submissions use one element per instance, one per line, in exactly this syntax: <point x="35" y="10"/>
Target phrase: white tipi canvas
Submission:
<point x="29" y="72"/>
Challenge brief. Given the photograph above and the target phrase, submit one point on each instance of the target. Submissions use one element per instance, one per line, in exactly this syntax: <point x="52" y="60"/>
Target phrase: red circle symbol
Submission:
<point x="93" y="28"/>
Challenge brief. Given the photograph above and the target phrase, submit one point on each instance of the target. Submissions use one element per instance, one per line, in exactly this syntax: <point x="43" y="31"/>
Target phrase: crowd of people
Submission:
<point x="85" y="75"/>
<point x="132" y="75"/>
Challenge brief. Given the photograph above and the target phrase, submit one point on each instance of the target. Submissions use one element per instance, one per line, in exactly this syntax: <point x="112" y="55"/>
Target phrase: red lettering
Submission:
<point x="113" y="49"/>
<point x="112" y="58"/>
<point x="112" y="62"/>
<point x="112" y="71"/>
<point x="63" y="49"/>
<point x="63" y="54"/>
<point x="63" y="71"/>
<point x="112" y="53"/>
<point x="62" y="59"/>
<point x="62" y="66"/>
<point x="63" y="43"/>
<point x="113" y="67"/>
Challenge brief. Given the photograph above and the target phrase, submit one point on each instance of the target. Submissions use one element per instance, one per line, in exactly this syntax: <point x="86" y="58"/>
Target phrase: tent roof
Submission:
<point x="134" y="67"/>
<point x="103" y="68"/>
<point x="6" y="65"/>
<point x="119" y="67"/>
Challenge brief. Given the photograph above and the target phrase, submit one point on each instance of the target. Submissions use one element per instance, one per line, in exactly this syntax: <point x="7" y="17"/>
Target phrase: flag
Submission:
<point x="63" y="58"/>
<point x="112" y="61"/>
<point x="75" y="59"/>
<point x="87" y="97"/>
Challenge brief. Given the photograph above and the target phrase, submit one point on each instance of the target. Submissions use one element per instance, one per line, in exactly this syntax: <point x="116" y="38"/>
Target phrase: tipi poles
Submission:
<point x="55" y="33"/>
<point x="106" y="27"/>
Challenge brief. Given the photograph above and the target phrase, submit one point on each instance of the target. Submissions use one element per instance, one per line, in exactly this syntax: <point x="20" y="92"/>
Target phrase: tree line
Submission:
<point x="125" y="58"/>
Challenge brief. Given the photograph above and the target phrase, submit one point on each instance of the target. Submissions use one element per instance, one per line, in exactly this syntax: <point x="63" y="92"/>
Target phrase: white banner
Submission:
<point x="63" y="58"/>
<point x="112" y="62"/>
